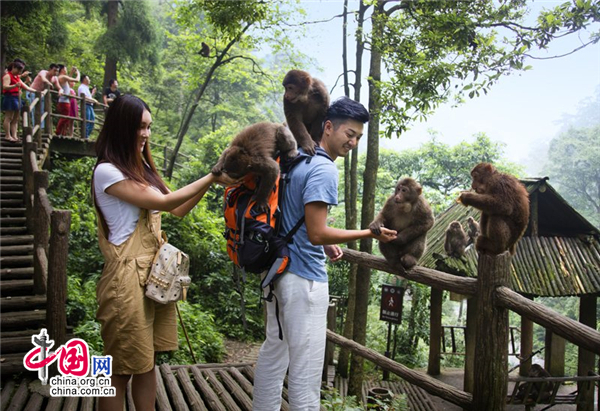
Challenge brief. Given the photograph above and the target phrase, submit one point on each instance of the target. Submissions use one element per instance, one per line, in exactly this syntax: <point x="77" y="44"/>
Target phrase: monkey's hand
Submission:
<point x="386" y="235"/>
<point x="334" y="252"/>
<point x="216" y="170"/>
<point x="309" y="147"/>
<point x="261" y="207"/>
<point x="375" y="227"/>
<point x="464" y="198"/>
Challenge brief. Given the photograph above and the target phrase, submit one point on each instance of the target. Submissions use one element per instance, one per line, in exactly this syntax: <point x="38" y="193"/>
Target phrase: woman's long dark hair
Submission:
<point x="118" y="142"/>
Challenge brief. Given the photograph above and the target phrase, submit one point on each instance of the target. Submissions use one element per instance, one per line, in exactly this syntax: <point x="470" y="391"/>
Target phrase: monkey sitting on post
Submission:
<point x="254" y="150"/>
<point x="456" y="240"/>
<point x="407" y="212"/>
<point x="504" y="205"/>
<point x="305" y="105"/>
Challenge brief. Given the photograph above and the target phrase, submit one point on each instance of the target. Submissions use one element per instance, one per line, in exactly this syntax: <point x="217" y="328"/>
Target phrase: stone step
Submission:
<point x="22" y="303"/>
<point x="16" y="249"/>
<point x="12" y="230"/>
<point x="18" y="273"/>
<point x="11" y="202"/>
<point x="16" y="261"/>
<point x="12" y="211"/>
<point x="15" y="287"/>
<point x="15" y="240"/>
<point x="11" y="157"/>
<point x="7" y="149"/>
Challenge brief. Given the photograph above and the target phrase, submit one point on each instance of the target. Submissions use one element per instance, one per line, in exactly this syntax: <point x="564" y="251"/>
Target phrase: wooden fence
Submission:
<point x="50" y="229"/>
<point x="493" y="299"/>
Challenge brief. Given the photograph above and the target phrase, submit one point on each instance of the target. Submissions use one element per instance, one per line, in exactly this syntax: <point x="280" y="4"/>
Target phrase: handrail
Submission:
<point x="50" y="229"/>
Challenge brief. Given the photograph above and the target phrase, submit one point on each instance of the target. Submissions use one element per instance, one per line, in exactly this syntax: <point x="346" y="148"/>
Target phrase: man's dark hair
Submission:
<point x="82" y="77"/>
<point x="53" y="66"/>
<point x="111" y="82"/>
<point x="345" y="108"/>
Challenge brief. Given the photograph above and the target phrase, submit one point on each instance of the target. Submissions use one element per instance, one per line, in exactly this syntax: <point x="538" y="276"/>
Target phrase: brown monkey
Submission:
<point x="205" y="50"/>
<point x="407" y="212"/>
<point x="539" y="391"/>
<point x="253" y="150"/>
<point x="456" y="240"/>
<point x="504" y="205"/>
<point x="305" y="104"/>
<point x="474" y="230"/>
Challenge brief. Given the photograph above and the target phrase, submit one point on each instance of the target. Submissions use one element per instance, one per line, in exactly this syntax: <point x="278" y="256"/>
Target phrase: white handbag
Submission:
<point x="168" y="280"/>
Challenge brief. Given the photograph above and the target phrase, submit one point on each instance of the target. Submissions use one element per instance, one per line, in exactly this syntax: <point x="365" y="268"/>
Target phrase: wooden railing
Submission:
<point x="50" y="229"/>
<point x="493" y="299"/>
<point x="452" y="330"/>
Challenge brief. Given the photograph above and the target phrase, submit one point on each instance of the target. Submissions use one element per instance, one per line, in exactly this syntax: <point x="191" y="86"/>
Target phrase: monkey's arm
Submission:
<point x="297" y="127"/>
<point x="376" y="225"/>
<point x="218" y="168"/>
<point x="489" y="203"/>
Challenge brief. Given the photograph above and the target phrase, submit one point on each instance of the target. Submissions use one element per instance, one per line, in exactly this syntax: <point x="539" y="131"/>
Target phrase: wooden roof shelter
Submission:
<point x="558" y="259"/>
<point x="558" y="256"/>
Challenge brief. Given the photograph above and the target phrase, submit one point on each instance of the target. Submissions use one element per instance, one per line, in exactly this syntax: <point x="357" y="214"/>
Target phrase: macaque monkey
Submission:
<point x="537" y="371"/>
<point x="504" y="205"/>
<point x="407" y="212"/>
<point x="305" y="104"/>
<point x="474" y="230"/>
<point x="254" y="150"/>
<point x="456" y="240"/>
<point x="205" y="50"/>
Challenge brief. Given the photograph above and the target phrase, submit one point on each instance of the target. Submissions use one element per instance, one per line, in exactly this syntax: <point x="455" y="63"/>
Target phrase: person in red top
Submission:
<point x="11" y="99"/>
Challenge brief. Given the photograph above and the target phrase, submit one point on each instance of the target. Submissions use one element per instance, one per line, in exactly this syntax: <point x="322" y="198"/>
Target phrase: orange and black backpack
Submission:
<point x="253" y="240"/>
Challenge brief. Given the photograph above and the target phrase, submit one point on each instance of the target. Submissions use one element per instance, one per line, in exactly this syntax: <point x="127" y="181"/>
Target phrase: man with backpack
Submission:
<point x="299" y="308"/>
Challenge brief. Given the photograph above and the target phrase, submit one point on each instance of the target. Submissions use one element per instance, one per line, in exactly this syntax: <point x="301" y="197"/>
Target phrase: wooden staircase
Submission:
<point x="22" y="312"/>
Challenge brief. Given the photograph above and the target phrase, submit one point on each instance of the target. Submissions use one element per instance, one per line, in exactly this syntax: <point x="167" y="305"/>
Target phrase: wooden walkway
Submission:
<point x="205" y="387"/>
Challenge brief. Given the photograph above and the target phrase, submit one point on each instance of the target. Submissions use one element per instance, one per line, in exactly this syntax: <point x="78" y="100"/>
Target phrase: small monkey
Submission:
<point x="205" y="50"/>
<point x="254" y="150"/>
<point x="305" y="104"/>
<point x="539" y="391"/>
<point x="504" y="205"/>
<point x="456" y="240"/>
<point x="474" y="230"/>
<point x="407" y="212"/>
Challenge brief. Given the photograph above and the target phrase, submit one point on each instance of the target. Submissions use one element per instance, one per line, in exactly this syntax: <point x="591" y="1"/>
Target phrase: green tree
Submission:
<point x="574" y="165"/>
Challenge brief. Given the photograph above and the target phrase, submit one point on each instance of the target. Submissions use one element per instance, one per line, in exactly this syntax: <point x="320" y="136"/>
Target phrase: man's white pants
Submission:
<point x="303" y="317"/>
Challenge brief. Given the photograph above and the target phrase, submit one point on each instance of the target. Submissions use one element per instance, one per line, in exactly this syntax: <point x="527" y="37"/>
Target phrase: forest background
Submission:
<point x="409" y="62"/>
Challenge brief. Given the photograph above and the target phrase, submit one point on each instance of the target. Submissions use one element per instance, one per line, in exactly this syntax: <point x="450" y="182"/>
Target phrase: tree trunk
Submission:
<point x="110" y="63"/>
<point x="363" y="276"/>
<point x="185" y="123"/>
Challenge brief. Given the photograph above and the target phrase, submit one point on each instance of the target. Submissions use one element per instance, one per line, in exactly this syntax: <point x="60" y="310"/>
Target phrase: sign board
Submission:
<point x="391" y="303"/>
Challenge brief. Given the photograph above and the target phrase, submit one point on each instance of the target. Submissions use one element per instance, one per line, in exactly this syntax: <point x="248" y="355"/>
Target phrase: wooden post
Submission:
<point x="330" y="347"/>
<point x="38" y="116"/>
<point x="491" y="351"/>
<point x="28" y="185"/>
<point x="435" y="331"/>
<point x="82" y="110"/>
<point x="586" y="359"/>
<point x="56" y="314"/>
<point x="554" y="358"/>
<point x="165" y="161"/>
<point x="40" y="233"/>
<point x="48" y="109"/>
<point x="526" y="345"/>
<point x="470" y="343"/>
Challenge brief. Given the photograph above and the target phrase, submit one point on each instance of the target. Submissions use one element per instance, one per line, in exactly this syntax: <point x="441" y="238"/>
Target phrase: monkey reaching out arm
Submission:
<point x="305" y="105"/>
<point x="410" y="215"/>
<point x="504" y="205"/>
<point x="254" y="150"/>
<point x="456" y="240"/>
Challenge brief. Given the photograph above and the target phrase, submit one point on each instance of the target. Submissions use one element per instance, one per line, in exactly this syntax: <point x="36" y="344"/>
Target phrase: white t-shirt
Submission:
<point x="85" y="90"/>
<point x="120" y="216"/>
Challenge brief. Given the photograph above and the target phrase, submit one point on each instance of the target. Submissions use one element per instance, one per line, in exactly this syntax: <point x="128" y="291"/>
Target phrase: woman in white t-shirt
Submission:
<point x="128" y="192"/>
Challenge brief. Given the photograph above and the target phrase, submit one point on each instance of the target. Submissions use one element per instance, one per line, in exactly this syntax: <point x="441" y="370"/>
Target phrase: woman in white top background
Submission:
<point x="129" y="193"/>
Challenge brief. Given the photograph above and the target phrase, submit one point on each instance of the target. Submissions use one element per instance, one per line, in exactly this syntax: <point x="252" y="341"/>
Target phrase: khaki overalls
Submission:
<point x="133" y="326"/>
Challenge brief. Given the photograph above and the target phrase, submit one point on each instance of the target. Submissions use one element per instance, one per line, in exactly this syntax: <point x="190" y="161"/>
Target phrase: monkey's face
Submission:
<point x="455" y="226"/>
<point x="236" y="164"/>
<point x="481" y="175"/>
<point x="407" y="191"/>
<point x="294" y="94"/>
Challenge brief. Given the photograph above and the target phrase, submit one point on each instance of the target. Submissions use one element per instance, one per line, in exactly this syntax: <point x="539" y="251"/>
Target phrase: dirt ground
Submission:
<point x="241" y="352"/>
